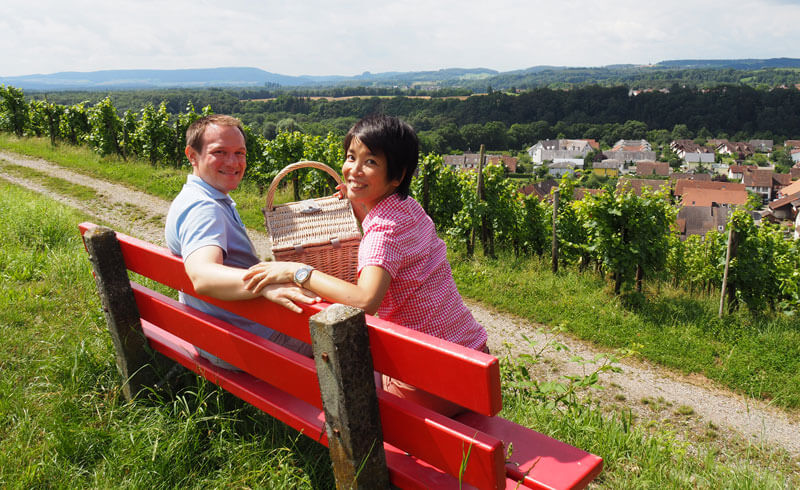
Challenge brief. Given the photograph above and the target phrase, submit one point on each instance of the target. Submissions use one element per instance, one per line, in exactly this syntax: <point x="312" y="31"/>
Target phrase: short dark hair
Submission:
<point x="195" y="132"/>
<point x="395" y="139"/>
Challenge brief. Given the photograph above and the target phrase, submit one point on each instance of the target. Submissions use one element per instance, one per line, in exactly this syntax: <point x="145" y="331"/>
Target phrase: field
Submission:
<point x="61" y="417"/>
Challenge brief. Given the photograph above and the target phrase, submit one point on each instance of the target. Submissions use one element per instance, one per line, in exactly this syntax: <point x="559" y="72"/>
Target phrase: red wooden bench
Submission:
<point x="424" y="449"/>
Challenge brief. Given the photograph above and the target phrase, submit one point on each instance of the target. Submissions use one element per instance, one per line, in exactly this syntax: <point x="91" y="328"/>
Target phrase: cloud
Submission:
<point x="352" y="36"/>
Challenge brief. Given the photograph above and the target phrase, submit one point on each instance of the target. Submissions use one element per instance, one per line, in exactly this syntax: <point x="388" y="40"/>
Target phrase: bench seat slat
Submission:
<point x="249" y="352"/>
<point x="542" y="461"/>
<point x="431" y="436"/>
<point x="464" y="376"/>
<point x="308" y="419"/>
<point x="293" y="411"/>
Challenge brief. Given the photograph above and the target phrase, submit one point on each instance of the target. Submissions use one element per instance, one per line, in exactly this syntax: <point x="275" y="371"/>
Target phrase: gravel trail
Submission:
<point x="651" y="392"/>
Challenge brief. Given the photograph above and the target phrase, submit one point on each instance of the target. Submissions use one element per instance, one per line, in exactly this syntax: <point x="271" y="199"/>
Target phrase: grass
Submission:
<point x="60" y="186"/>
<point x="758" y="356"/>
<point x="62" y="420"/>
<point x="755" y="356"/>
<point x="642" y="457"/>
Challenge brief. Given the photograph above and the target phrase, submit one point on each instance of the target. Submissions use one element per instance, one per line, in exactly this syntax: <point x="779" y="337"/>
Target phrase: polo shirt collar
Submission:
<point x="195" y="181"/>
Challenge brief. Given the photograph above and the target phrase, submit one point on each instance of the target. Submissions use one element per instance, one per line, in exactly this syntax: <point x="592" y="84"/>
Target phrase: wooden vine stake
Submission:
<point x="729" y="255"/>
<point x="555" y="230"/>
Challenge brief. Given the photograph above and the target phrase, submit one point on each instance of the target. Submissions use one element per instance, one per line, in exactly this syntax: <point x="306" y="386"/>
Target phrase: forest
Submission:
<point x="501" y="120"/>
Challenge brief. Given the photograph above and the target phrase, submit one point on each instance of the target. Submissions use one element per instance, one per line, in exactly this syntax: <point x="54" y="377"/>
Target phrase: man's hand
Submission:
<point x="287" y="295"/>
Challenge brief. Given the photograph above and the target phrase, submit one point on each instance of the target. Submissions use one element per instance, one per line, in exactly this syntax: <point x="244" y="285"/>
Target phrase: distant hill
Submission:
<point x="675" y="71"/>
<point x="224" y="77"/>
<point x="746" y="64"/>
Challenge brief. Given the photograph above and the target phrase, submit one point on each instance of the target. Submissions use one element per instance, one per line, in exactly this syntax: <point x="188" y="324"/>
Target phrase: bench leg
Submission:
<point x="134" y="358"/>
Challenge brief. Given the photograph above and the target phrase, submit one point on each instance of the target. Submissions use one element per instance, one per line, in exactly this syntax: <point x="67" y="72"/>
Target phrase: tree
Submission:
<point x="681" y="132"/>
<point x="754" y="201"/>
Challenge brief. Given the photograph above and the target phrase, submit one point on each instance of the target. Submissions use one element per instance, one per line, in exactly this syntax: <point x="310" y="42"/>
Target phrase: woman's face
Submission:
<point x="366" y="175"/>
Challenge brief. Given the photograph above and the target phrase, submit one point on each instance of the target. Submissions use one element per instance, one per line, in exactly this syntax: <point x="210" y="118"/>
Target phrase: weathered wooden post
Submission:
<point x="134" y="358"/>
<point x="352" y="420"/>
<point x="729" y="255"/>
<point x="555" y="230"/>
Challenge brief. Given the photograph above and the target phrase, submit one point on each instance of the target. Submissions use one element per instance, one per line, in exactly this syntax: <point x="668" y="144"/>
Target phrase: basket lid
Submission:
<point x="312" y="222"/>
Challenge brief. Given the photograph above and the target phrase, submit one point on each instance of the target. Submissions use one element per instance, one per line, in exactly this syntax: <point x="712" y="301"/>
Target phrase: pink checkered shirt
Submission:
<point x="400" y="238"/>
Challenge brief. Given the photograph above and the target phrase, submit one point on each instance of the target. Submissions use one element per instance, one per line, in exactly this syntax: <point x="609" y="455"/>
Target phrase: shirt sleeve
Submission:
<point x="381" y="246"/>
<point x="202" y="227"/>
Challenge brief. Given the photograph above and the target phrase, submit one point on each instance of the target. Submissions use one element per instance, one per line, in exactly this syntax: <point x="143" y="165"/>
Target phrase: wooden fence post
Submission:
<point x="555" y="231"/>
<point x="352" y="420"/>
<point x="134" y="358"/>
<point x="729" y="255"/>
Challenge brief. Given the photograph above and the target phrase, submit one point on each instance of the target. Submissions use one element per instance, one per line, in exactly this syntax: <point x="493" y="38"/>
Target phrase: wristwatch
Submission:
<point x="302" y="274"/>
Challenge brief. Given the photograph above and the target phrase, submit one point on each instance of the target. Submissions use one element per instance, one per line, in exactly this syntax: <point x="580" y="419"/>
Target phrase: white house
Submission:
<point x="550" y="150"/>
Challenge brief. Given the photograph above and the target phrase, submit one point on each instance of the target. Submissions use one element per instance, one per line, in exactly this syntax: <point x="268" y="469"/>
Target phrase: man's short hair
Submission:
<point x="195" y="132"/>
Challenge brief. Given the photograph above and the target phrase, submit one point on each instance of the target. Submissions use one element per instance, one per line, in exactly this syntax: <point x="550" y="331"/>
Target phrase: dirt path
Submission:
<point x="696" y="407"/>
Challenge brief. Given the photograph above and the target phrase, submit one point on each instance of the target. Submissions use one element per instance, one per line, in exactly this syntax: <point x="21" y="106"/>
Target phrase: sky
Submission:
<point x="315" y="37"/>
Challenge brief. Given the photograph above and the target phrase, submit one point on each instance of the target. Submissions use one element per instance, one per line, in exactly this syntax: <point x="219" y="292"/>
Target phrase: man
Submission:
<point x="205" y="229"/>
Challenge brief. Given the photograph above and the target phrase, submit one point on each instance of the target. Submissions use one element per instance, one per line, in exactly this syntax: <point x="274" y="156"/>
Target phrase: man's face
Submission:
<point x="222" y="162"/>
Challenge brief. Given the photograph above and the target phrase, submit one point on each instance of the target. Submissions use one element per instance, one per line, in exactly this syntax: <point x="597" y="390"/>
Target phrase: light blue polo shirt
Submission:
<point x="201" y="216"/>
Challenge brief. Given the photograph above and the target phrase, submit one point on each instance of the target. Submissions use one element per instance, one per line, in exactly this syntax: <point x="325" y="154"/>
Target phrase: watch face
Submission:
<point x="301" y="275"/>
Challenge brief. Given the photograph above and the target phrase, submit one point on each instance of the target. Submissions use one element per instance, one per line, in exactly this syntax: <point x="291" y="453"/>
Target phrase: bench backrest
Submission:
<point x="461" y="375"/>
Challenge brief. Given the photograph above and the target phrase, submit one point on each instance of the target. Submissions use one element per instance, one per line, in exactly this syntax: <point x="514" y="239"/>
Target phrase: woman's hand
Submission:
<point x="359" y="210"/>
<point x="263" y="274"/>
<point x="288" y="295"/>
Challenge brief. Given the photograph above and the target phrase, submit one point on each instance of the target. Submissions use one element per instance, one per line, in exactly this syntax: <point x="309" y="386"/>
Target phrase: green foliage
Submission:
<point x="628" y="231"/>
<point x="13" y="110"/>
<point x="75" y="123"/>
<point x="437" y="188"/>
<point x="105" y="128"/>
<point x="566" y="394"/>
<point x="154" y="136"/>
<point x="758" y="273"/>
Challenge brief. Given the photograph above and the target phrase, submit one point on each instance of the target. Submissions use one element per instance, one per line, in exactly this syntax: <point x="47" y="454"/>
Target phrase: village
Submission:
<point x="708" y="181"/>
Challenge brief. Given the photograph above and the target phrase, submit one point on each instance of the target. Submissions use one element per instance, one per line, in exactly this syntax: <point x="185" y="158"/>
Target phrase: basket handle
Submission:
<point x="296" y="166"/>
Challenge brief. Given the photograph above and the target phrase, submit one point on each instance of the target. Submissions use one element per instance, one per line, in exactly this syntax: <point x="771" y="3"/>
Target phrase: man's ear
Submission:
<point x="191" y="154"/>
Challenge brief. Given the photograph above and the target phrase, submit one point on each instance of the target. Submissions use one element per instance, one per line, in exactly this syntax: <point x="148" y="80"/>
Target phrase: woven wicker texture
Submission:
<point x="320" y="232"/>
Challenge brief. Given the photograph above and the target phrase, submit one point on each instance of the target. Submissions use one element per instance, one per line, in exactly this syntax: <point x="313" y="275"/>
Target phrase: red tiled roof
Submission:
<point x="784" y="200"/>
<point x="683" y="185"/>
<point x="652" y="168"/>
<point x="761" y="177"/>
<point x="781" y="179"/>
<point x="637" y="185"/>
<point x="705" y="197"/>
<point x="702" y="177"/>
<point x="740" y="169"/>
<point x="580" y="192"/>
<point x="793" y="188"/>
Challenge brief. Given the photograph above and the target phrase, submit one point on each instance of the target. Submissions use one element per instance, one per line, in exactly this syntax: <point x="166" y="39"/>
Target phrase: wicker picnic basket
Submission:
<point x="321" y="232"/>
